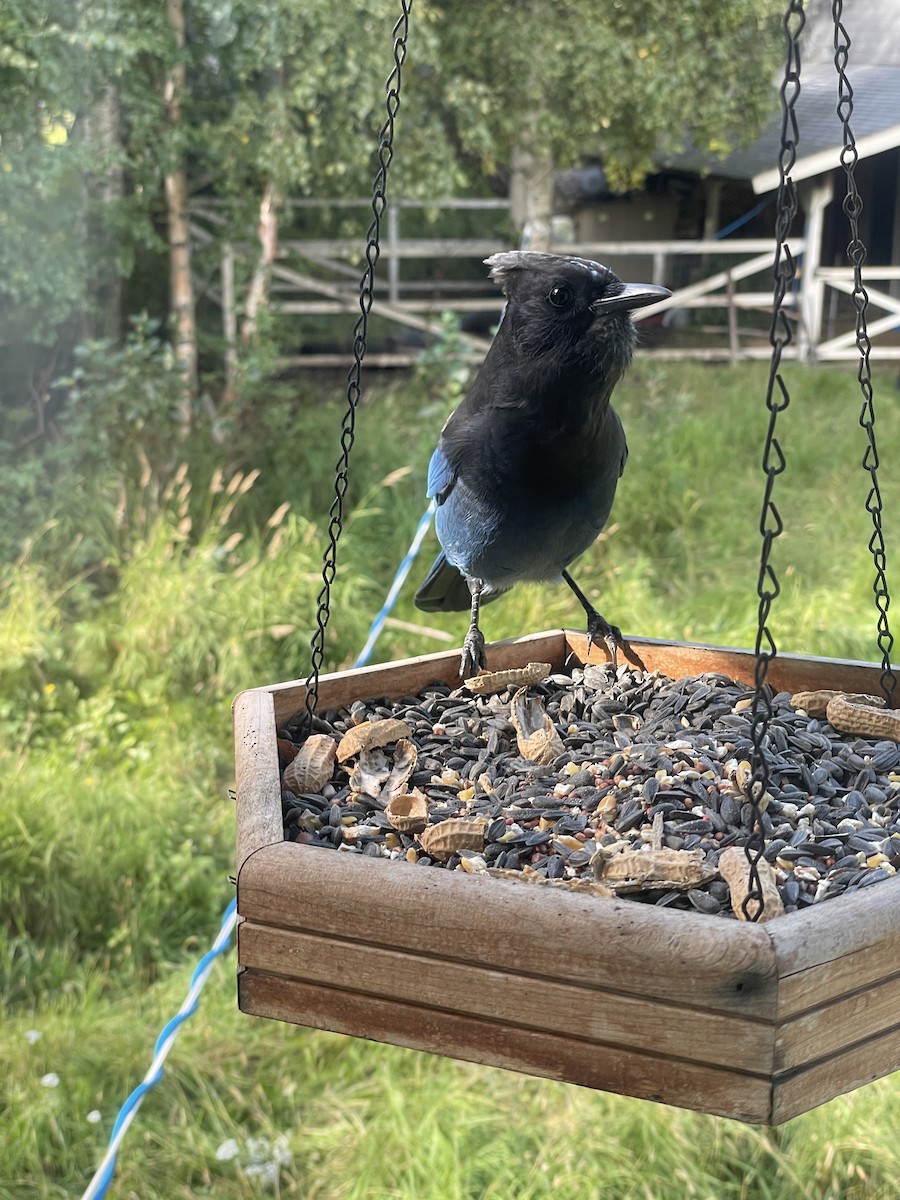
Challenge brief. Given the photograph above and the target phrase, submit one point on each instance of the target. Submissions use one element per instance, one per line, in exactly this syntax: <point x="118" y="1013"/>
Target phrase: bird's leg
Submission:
<point x="597" y="628"/>
<point x="473" y="658"/>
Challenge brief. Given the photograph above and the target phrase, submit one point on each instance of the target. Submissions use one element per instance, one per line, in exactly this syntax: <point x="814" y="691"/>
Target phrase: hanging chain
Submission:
<point x="773" y="463"/>
<point x="856" y="252"/>
<point x="360" y="331"/>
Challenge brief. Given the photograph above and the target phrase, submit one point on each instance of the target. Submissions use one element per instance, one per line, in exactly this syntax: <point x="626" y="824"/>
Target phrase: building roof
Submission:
<point x="872" y="25"/>
<point x="873" y="69"/>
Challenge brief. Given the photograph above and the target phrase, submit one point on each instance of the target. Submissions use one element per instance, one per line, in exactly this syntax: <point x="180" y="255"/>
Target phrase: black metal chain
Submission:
<point x="856" y="253"/>
<point x="773" y="462"/>
<point x="400" y="36"/>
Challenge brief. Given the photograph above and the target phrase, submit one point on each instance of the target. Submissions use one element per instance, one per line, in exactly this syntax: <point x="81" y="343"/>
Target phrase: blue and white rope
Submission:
<point x="399" y="579"/>
<point x="104" y="1173"/>
<point x="103" y="1176"/>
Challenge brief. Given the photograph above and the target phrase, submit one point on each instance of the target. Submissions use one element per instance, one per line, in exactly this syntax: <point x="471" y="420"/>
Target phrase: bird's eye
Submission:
<point x="561" y="296"/>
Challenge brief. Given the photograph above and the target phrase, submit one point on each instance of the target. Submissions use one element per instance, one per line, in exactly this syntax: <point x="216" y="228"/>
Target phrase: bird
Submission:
<point x="526" y="467"/>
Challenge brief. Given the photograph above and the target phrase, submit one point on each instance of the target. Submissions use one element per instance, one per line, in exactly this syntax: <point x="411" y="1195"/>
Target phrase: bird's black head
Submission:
<point x="572" y="314"/>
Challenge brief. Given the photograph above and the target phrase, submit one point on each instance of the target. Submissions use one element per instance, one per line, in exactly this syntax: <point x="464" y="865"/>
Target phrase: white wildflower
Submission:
<point x="267" y="1158"/>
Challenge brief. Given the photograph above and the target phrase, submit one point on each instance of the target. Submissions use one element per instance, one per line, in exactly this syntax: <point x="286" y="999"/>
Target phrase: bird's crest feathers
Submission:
<point x="505" y="265"/>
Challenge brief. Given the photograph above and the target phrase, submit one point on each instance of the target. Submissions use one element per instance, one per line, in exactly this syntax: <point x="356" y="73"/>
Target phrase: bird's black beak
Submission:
<point x="632" y="295"/>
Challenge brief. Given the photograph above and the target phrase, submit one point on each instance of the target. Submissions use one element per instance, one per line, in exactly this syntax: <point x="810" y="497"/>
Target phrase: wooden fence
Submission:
<point x="319" y="277"/>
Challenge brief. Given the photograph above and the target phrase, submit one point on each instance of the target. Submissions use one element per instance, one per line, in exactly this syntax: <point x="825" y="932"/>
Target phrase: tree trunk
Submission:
<point x="105" y="187"/>
<point x="181" y="284"/>
<point x="258" y="291"/>
<point x="257" y="295"/>
<point x="531" y="194"/>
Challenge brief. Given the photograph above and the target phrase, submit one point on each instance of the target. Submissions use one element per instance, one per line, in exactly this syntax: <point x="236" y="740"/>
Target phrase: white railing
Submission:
<point x="320" y="277"/>
<point x="843" y="346"/>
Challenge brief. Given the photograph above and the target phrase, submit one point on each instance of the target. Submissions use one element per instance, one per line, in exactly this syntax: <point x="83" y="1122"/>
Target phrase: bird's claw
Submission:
<point x="473" y="657"/>
<point x="599" y="630"/>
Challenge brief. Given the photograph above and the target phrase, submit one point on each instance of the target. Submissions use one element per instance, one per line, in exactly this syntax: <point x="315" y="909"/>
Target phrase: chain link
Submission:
<point x="856" y="253"/>
<point x="773" y="462"/>
<point x="400" y="36"/>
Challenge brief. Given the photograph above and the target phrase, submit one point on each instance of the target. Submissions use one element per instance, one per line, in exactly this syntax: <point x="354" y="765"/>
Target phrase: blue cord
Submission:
<point x="399" y="579"/>
<point x="103" y="1177"/>
<point x="748" y="216"/>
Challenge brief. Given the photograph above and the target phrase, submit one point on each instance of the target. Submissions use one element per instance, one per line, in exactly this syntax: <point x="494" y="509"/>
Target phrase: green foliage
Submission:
<point x="291" y="96"/>
<point x="680" y="557"/>
<point x="40" y="192"/>
<point x="443" y="370"/>
<point x="107" y="786"/>
<point x="116" y="831"/>
<point x="118" y="408"/>
<point x="61" y="233"/>
<point x="354" y="1120"/>
<point x="123" y="402"/>
<point x="96" y="693"/>
<point x="163" y="624"/>
<point x="618" y="80"/>
<point x="295" y="94"/>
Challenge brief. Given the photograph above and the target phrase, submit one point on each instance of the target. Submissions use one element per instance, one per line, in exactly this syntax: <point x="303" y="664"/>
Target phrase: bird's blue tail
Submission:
<point x="444" y="589"/>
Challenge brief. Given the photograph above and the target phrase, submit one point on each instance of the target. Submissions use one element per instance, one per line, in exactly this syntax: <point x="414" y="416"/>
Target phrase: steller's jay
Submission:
<point x="524" y="474"/>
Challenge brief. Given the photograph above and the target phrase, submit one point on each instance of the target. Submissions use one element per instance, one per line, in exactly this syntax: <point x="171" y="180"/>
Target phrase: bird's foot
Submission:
<point x="473" y="657"/>
<point x="599" y="630"/>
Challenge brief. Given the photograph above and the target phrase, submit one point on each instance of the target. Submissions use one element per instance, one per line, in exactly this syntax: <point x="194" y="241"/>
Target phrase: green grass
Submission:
<point x="680" y="557"/>
<point x="116" y="828"/>
<point x="368" y="1122"/>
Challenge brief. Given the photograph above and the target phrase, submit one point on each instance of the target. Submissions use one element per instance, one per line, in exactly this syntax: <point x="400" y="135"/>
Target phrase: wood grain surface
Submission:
<point x="756" y="1022"/>
<point x="490" y="1043"/>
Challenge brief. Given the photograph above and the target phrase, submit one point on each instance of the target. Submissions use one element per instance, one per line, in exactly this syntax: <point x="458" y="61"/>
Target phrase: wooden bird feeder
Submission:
<point x="759" y="1022"/>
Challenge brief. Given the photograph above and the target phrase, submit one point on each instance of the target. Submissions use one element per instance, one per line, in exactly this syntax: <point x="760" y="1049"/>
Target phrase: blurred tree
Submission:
<point x="536" y="87"/>
<point x="182" y="308"/>
<point x="75" y="194"/>
<point x="118" y="116"/>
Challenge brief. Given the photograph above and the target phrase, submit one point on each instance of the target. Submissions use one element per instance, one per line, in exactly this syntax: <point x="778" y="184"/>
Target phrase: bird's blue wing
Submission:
<point x="441" y="476"/>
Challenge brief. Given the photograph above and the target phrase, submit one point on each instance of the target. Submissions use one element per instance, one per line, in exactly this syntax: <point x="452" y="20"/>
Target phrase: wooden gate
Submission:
<point x="319" y="277"/>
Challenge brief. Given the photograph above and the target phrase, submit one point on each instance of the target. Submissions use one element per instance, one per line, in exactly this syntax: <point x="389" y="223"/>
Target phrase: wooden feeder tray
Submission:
<point x="755" y="1022"/>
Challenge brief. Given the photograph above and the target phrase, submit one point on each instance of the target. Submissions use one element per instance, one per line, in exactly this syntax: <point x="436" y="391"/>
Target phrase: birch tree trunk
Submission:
<point x="257" y="295"/>
<point x="531" y="194"/>
<point x="258" y="290"/>
<point x="181" y="284"/>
